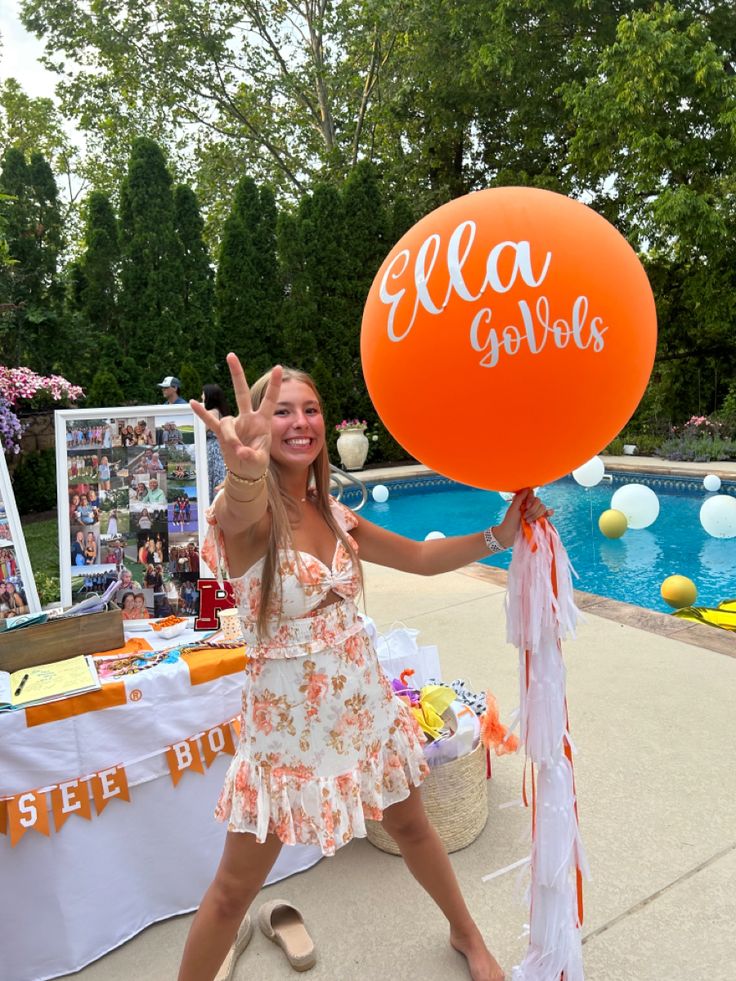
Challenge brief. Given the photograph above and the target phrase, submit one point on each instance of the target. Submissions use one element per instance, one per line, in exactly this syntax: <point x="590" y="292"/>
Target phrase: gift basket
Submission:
<point x="460" y="727"/>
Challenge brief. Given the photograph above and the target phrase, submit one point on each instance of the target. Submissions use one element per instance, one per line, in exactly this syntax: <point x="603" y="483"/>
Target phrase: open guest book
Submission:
<point x="47" y="682"/>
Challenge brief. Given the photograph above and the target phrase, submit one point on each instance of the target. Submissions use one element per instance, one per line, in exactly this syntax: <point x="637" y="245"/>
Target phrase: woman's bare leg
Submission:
<point x="242" y="871"/>
<point x="428" y="862"/>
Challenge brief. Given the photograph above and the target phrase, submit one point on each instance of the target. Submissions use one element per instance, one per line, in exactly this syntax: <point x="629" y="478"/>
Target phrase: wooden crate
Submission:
<point x="56" y="640"/>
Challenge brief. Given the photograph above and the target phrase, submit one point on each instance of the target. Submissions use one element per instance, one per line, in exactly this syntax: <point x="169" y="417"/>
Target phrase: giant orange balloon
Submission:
<point x="508" y="337"/>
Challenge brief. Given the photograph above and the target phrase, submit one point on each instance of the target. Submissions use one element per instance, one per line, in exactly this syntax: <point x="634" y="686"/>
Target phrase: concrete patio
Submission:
<point x="652" y="719"/>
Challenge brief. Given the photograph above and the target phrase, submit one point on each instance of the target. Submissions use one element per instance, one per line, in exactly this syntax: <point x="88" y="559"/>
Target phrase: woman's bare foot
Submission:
<point x="481" y="963"/>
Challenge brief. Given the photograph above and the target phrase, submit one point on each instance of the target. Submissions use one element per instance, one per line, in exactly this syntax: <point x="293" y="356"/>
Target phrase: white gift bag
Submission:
<point x="398" y="651"/>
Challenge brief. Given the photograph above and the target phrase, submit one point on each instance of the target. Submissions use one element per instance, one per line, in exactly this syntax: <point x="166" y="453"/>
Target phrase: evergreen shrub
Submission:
<point x="34" y="482"/>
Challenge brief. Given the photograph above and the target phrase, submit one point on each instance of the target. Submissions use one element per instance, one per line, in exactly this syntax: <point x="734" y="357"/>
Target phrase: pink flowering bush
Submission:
<point x="700" y="439"/>
<point x="23" y="385"/>
<point x="22" y="388"/>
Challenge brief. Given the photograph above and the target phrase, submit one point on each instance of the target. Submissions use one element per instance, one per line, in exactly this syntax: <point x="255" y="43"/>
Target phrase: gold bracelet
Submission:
<point x="247" y="480"/>
<point x="240" y="500"/>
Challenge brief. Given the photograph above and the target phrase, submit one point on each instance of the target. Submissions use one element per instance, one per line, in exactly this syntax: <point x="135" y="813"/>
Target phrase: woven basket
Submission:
<point x="456" y="801"/>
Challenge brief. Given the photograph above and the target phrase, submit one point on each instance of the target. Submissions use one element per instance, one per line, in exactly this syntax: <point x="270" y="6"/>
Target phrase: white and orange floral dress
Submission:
<point x="325" y="742"/>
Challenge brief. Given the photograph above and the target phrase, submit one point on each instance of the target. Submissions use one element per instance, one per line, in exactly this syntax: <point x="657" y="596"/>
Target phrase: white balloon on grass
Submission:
<point x="591" y="473"/>
<point x="712" y="482"/>
<point x="433" y="535"/>
<point x="638" y="502"/>
<point x="718" y="516"/>
<point x="380" y="493"/>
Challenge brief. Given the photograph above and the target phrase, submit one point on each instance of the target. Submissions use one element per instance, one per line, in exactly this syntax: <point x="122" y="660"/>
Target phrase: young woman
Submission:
<point x="112" y="524"/>
<point x="90" y="549"/>
<point x="324" y="743"/>
<point x="144" y="520"/>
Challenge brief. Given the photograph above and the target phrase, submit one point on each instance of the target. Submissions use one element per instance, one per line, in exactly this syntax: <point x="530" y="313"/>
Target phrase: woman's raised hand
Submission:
<point x="245" y="439"/>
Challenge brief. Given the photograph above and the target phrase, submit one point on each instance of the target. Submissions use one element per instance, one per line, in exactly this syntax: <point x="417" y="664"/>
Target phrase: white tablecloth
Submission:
<point x="75" y="895"/>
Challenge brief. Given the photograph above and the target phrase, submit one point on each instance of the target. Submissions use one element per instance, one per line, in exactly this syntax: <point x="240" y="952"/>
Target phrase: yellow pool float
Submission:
<point x="723" y="615"/>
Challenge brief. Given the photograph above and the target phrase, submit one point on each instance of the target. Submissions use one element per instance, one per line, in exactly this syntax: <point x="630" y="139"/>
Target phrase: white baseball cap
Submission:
<point x="170" y="381"/>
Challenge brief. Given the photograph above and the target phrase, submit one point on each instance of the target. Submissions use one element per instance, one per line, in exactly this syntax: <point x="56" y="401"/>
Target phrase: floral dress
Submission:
<point x="324" y="743"/>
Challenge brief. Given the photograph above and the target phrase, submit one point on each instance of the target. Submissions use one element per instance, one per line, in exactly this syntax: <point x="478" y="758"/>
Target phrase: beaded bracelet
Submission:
<point x="492" y="542"/>
<point x="246" y="480"/>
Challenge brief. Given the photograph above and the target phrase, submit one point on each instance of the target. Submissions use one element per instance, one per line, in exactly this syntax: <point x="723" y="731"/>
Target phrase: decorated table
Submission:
<point x="106" y="806"/>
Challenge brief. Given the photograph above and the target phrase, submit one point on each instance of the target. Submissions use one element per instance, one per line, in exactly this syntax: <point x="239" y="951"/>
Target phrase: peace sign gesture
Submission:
<point x="245" y="439"/>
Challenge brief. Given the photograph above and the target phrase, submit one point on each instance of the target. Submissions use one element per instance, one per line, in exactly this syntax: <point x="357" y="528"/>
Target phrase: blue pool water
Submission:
<point x="630" y="569"/>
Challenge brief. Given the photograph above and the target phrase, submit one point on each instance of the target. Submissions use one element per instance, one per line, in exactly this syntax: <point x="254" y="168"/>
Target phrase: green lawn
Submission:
<point x="42" y="541"/>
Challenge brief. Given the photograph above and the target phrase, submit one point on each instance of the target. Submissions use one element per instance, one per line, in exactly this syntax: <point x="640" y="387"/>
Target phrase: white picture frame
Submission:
<point x="13" y="539"/>
<point x="95" y="451"/>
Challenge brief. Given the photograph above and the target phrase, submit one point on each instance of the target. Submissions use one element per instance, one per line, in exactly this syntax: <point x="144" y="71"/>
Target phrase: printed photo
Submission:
<point x="82" y="465"/>
<point x="183" y="513"/>
<point x="183" y="559"/>
<point x="13" y="601"/>
<point x="148" y="460"/>
<point x="5" y="537"/>
<point x="173" y="431"/>
<point x="84" y="507"/>
<point x="134" y="432"/>
<point x="113" y="551"/>
<point x="147" y="489"/>
<point x="113" y="522"/>
<point x="85" y="546"/>
<point x="149" y="517"/>
<point x="92" y="579"/>
<point x="84" y="433"/>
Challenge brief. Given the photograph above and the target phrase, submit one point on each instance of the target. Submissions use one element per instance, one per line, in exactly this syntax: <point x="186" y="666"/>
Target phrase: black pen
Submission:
<point x="19" y="689"/>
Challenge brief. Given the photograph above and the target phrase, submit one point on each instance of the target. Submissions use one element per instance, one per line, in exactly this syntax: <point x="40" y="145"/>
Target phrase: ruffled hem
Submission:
<point x="326" y="811"/>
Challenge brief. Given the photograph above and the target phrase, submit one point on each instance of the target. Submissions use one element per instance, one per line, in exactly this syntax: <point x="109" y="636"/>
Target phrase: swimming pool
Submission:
<point x="630" y="569"/>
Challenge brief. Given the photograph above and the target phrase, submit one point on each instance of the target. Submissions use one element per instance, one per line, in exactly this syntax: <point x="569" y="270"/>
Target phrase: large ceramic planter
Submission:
<point x="352" y="445"/>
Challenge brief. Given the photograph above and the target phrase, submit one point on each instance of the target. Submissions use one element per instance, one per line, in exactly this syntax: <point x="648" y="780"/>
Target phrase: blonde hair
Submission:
<point x="281" y="505"/>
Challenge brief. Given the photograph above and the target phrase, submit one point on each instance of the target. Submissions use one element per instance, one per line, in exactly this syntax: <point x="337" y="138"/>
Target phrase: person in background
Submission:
<point x="112" y="524"/>
<point x="170" y="390"/>
<point x="213" y="399"/>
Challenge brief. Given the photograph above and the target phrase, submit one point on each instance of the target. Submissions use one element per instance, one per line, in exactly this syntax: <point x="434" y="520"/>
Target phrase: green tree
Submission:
<point x="104" y="390"/>
<point x="191" y="381"/>
<point x="248" y="285"/>
<point x="151" y="295"/>
<point x="292" y="96"/>
<point x="35" y="125"/>
<point x="366" y="227"/>
<point x="93" y="288"/>
<point x="198" y="322"/>
<point x="31" y="294"/>
<point x="656" y="145"/>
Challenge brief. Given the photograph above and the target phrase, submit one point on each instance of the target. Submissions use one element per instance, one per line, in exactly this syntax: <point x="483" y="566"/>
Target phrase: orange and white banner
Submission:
<point x="29" y="811"/>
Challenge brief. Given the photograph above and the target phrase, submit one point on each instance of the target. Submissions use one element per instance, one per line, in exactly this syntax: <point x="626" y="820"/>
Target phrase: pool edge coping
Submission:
<point x="714" y="639"/>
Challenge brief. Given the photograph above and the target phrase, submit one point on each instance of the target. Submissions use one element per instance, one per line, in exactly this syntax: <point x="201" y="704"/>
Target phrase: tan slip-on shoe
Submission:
<point x="227" y="968"/>
<point x="282" y="923"/>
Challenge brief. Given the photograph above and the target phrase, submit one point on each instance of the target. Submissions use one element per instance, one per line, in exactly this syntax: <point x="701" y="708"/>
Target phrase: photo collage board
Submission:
<point x="132" y="489"/>
<point x="17" y="587"/>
